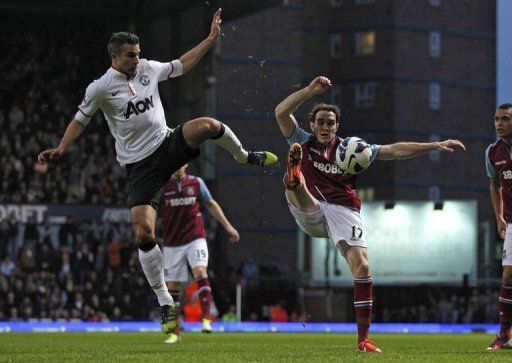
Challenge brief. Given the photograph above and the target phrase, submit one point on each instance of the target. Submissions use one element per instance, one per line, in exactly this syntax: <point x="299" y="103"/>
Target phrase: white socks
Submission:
<point x="151" y="262"/>
<point x="229" y="142"/>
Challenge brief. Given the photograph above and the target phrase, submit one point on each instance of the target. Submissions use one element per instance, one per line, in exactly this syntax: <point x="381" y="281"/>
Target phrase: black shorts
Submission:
<point x="146" y="177"/>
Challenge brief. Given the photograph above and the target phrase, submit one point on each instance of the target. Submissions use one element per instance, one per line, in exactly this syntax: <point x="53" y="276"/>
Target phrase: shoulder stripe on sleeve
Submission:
<point x="172" y="70"/>
<point x="79" y="109"/>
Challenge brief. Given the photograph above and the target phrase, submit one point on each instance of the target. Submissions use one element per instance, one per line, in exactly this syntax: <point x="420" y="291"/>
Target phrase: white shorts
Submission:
<point x="507" y="247"/>
<point x="336" y="222"/>
<point x="177" y="259"/>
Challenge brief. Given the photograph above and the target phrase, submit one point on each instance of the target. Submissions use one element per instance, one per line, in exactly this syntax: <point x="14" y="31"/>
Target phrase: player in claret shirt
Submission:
<point x="323" y="198"/>
<point x="128" y="96"/>
<point x="185" y="238"/>
<point x="499" y="169"/>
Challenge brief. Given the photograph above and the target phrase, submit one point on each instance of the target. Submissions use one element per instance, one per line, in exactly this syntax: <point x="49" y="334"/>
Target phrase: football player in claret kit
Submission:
<point x="499" y="170"/>
<point x="185" y="238"/>
<point x="128" y="96"/>
<point x="322" y="197"/>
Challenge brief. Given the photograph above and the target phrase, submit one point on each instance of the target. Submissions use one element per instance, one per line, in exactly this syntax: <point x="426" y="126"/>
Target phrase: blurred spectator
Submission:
<point x="67" y="233"/>
<point x="27" y="258"/>
<point x="7" y="266"/>
<point x="252" y="317"/>
<point x="230" y="315"/>
<point x="12" y="234"/>
<point x="278" y="313"/>
<point x="31" y="232"/>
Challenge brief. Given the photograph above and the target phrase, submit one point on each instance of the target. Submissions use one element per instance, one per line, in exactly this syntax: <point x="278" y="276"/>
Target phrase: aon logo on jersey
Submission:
<point x="138" y="107"/>
<point x="328" y="168"/>
<point x="507" y="174"/>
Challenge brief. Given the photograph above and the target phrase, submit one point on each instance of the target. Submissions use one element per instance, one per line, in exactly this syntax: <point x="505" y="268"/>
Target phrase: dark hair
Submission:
<point x="324" y="107"/>
<point x="117" y="40"/>
<point x="505" y="106"/>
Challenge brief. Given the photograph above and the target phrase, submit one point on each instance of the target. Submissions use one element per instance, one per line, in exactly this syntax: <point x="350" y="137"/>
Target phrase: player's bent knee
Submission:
<point x="144" y="232"/>
<point x="210" y="127"/>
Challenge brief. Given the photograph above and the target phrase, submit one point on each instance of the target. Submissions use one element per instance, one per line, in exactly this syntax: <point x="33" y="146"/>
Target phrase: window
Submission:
<point x="435" y="96"/>
<point x="434" y="43"/>
<point x="335" y="45"/>
<point x="365" y="95"/>
<point x="365" y="43"/>
<point x="364" y="2"/>
<point x="436" y="154"/>
<point x="336" y="95"/>
<point x="336" y="3"/>
<point x="435" y="3"/>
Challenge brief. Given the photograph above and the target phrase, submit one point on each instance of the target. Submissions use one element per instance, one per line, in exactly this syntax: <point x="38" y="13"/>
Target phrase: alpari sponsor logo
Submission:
<point x="138" y="107"/>
<point x="507" y="174"/>
<point x="328" y="168"/>
<point x="177" y="202"/>
<point x="501" y="162"/>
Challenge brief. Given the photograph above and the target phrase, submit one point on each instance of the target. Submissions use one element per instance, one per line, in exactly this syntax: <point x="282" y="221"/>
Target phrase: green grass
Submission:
<point x="244" y="347"/>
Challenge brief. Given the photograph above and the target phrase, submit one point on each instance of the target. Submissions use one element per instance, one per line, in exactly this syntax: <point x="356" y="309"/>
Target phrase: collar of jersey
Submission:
<point x="121" y="73"/>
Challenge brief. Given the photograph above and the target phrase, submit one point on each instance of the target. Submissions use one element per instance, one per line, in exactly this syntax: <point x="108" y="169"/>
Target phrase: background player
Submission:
<point x="499" y="169"/>
<point x="128" y="96"/>
<point x="324" y="201"/>
<point x="185" y="237"/>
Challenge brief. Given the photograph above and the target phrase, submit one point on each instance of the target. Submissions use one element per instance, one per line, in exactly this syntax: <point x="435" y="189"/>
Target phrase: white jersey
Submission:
<point x="132" y="107"/>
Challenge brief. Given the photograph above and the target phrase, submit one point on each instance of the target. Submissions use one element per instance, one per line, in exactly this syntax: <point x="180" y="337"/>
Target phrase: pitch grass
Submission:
<point x="244" y="347"/>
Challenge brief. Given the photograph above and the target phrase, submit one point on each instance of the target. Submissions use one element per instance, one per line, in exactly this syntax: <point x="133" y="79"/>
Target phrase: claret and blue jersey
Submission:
<point x="180" y="210"/>
<point x="325" y="180"/>
<point x="498" y="163"/>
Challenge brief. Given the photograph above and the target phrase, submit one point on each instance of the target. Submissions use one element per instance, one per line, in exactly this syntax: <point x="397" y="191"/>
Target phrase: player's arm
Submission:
<point x="404" y="150"/>
<point x="497" y="205"/>
<point x="217" y="213"/>
<point x="284" y="111"/>
<point x="190" y="59"/>
<point x="73" y="131"/>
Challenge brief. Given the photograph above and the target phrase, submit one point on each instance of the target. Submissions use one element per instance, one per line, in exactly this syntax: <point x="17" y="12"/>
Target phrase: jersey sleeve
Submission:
<point x="205" y="193"/>
<point x="90" y="103"/>
<point x="491" y="172"/>
<point x="298" y="135"/>
<point x="166" y="70"/>
<point x="375" y="151"/>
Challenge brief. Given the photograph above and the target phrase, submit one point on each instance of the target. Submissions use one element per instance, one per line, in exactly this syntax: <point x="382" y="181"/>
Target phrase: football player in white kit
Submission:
<point x="128" y="96"/>
<point x="323" y="198"/>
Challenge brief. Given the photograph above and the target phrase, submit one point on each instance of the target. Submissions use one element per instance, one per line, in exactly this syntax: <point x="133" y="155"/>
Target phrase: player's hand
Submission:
<point x="215" y="28"/>
<point x="502" y="227"/>
<point x="233" y="234"/>
<point x="49" y="155"/>
<point x="319" y="85"/>
<point x="449" y="145"/>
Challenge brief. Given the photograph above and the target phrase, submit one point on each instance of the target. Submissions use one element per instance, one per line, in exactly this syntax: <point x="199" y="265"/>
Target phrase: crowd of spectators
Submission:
<point x="88" y="272"/>
<point x="44" y="80"/>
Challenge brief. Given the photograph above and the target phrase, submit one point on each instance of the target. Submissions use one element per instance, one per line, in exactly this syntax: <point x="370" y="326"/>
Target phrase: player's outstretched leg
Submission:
<point x="201" y="129"/>
<point x="293" y="177"/>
